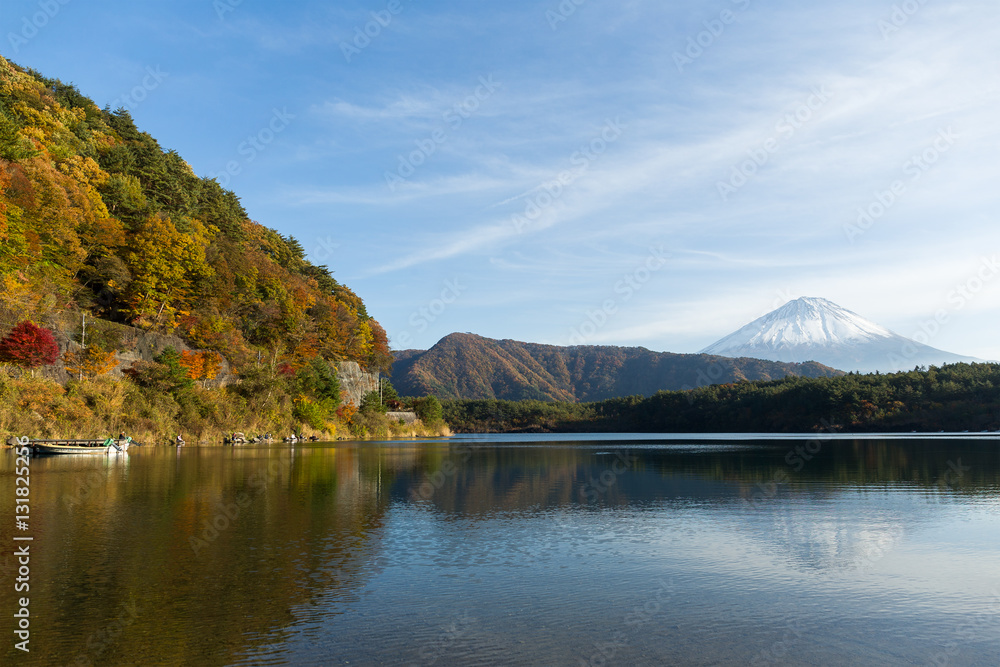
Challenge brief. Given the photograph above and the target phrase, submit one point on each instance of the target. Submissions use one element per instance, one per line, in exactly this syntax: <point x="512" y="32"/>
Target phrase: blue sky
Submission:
<point x="630" y="173"/>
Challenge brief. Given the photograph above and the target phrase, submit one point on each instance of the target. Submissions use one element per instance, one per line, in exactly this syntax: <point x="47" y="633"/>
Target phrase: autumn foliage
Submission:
<point x="29" y="346"/>
<point x="346" y="412"/>
<point x="96" y="215"/>
<point x="203" y="365"/>
<point x="90" y="363"/>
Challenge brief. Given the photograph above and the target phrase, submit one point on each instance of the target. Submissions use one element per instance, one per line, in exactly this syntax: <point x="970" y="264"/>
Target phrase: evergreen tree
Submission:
<point x="371" y="403"/>
<point x="429" y="410"/>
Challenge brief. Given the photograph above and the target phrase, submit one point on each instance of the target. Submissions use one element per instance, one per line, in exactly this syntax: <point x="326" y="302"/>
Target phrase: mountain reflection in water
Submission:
<point x="516" y="550"/>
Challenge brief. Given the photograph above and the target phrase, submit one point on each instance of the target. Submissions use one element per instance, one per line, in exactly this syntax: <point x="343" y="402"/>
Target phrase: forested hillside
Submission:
<point x="957" y="397"/>
<point x="466" y="366"/>
<point x="100" y="224"/>
<point x="96" y="216"/>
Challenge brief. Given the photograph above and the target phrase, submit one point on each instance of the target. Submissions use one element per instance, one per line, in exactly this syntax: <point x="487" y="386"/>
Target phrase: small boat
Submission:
<point x="91" y="447"/>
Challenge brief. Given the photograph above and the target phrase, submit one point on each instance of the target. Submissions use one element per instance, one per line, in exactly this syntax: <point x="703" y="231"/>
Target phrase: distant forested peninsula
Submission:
<point x="956" y="397"/>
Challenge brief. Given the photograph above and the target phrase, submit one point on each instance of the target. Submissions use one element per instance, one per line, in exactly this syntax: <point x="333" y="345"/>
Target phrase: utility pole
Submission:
<point x="83" y="343"/>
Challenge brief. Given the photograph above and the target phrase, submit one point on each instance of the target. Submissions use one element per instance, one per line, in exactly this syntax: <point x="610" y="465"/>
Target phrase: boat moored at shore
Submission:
<point x="106" y="447"/>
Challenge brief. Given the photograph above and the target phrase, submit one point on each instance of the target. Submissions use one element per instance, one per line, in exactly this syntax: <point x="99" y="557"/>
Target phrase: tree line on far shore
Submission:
<point x="956" y="397"/>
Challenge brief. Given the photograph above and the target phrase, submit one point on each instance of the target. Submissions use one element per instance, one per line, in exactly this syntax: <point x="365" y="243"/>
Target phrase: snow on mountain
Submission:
<point x="813" y="329"/>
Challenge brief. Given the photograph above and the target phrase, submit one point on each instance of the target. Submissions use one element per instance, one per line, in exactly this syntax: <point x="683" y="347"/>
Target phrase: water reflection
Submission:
<point x="484" y="551"/>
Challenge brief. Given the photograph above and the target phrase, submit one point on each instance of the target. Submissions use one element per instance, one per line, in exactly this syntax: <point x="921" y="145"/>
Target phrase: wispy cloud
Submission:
<point x="781" y="230"/>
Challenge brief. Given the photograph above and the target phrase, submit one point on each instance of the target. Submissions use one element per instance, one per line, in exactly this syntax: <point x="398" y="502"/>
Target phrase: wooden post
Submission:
<point x="83" y="343"/>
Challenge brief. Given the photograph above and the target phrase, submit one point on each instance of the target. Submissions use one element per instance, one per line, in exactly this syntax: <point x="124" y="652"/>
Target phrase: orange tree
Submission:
<point x="91" y="362"/>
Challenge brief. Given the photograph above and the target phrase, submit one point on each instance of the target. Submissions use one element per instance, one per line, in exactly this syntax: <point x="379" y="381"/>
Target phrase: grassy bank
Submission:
<point x="104" y="406"/>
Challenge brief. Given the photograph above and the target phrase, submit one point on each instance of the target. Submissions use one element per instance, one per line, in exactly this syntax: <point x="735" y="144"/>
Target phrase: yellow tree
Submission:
<point x="90" y="363"/>
<point x="166" y="263"/>
<point x="211" y="362"/>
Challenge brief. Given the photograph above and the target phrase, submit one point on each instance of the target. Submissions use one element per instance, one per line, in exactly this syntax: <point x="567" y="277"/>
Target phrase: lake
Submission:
<point x="519" y="550"/>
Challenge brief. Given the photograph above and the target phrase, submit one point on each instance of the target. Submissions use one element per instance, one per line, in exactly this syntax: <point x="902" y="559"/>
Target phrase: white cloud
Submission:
<point x="782" y="232"/>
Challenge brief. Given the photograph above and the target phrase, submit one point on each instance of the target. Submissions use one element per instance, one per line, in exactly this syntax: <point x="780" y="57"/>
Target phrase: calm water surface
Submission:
<point x="547" y="550"/>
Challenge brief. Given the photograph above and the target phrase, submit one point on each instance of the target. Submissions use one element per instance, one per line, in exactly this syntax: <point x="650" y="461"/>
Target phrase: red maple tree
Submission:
<point x="29" y="346"/>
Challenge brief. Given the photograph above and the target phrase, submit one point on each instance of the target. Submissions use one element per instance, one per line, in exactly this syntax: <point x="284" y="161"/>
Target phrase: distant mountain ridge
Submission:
<point x="467" y="366"/>
<point x="814" y="329"/>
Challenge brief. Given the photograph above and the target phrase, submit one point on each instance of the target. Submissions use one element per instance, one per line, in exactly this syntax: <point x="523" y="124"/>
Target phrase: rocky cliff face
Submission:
<point x="355" y="382"/>
<point x="130" y="345"/>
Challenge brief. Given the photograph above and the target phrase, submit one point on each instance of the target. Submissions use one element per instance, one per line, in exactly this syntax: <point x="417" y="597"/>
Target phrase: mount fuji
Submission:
<point x="812" y="329"/>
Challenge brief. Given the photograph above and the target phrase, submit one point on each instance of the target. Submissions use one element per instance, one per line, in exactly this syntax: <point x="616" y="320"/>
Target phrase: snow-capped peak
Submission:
<point x="813" y="329"/>
<point x="807" y="321"/>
